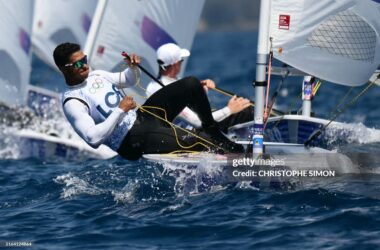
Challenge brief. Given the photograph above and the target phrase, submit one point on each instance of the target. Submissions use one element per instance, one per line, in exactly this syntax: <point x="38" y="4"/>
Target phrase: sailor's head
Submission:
<point x="72" y="62"/>
<point x="170" y="55"/>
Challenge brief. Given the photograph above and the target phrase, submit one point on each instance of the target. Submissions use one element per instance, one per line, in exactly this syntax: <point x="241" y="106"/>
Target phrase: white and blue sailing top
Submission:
<point x="92" y="108"/>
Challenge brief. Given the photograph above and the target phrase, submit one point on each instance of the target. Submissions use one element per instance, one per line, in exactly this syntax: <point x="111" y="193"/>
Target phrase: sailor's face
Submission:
<point x="78" y="66"/>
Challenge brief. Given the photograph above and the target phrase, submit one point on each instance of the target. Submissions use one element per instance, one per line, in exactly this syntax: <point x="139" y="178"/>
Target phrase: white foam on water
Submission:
<point x="352" y="133"/>
<point x="193" y="179"/>
<point x="9" y="148"/>
<point x="75" y="186"/>
<point x="246" y="185"/>
<point x="127" y="194"/>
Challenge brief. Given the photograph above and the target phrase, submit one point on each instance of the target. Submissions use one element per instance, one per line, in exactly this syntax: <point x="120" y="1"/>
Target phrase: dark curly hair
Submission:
<point x="63" y="52"/>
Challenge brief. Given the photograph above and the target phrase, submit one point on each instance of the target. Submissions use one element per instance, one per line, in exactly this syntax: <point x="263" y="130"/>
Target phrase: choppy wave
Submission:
<point x="352" y="133"/>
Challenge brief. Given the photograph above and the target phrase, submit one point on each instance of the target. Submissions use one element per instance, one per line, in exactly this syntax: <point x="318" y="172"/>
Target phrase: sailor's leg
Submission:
<point x="187" y="92"/>
<point x="153" y="138"/>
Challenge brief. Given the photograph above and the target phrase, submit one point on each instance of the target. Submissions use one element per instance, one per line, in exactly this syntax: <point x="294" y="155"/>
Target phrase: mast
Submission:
<point x="261" y="80"/>
<point x="307" y="95"/>
<point x="93" y="33"/>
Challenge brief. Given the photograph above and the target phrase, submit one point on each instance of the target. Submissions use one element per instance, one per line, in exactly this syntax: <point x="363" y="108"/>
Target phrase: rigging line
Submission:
<point x="290" y="108"/>
<point x="334" y="111"/>
<point x="349" y="104"/>
<point x="266" y="113"/>
<point x="318" y="85"/>
<point x="137" y="77"/>
<point x="172" y="125"/>
<point x="143" y="70"/>
<point x="275" y="94"/>
<point x="227" y="93"/>
<point x="292" y="104"/>
<point x="183" y="151"/>
<point x="316" y="88"/>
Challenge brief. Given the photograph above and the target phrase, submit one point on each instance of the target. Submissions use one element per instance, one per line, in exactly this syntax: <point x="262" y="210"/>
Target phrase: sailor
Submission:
<point x="100" y="114"/>
<point x="169" y="58"/>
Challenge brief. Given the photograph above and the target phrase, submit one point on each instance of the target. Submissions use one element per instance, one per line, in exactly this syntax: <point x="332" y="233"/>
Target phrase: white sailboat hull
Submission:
<point x="30" y="144"/>
<point x="287" y="128"/>
<point x="292" y="156"/>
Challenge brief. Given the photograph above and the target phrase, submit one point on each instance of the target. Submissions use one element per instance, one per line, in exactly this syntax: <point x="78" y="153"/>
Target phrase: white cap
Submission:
<point x="170" y="53"/>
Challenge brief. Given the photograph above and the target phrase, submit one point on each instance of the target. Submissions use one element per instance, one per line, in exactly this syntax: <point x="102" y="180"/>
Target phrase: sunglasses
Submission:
<point x="78" y="64"/>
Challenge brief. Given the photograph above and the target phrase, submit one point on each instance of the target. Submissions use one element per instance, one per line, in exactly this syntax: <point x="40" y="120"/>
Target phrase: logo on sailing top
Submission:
<point x="97" y="85"/>
<point x="284" y="22"/>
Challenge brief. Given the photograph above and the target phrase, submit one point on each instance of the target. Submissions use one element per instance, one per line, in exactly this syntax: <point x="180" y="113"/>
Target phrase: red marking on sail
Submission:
<point x="284" y="22"/>
<point x="100" y="50"/>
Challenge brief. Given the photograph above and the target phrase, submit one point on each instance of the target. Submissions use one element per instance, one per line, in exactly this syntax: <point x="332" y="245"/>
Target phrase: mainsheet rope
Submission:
<point x="172" y="125"/>
<point x="266" y="111"/>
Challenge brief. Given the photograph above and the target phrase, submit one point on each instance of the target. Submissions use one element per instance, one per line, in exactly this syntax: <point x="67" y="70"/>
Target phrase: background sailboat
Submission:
<point x="134" y="26"/>
<point x="55" y="22"/>
<point x="48" y="136"/>
<point x="59" y="21"/>
<point x="336" y="41"/>
<point x="15" y="54"/>
<point x="328" y="39"/>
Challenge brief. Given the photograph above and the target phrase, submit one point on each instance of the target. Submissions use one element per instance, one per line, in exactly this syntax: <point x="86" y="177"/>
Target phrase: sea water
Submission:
<point x="118" y="204"/>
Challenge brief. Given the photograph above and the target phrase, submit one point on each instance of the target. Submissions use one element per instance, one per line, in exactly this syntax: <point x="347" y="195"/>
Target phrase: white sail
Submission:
<point x="141" y="27"/>
<point x="335" y="40"/>
<point x="15" y="25"/>
<point x="60" y="21"/>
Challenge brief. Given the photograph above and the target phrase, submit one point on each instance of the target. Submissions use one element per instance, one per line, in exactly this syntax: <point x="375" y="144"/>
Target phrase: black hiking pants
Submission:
<point x="152" y="135"/>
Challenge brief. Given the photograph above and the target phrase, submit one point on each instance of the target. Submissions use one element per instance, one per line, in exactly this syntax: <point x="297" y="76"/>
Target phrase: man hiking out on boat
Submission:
<point x="99" y="113"/>
<point x="169" y="58"/>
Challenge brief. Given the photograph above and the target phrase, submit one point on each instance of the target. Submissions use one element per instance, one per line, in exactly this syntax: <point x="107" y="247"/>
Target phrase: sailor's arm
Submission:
<point x="193" y="119"/>
<point x="127" y="78"/>
<point x="131" y="75"/>
<point x="221" y="114"/>
<point x="77" y="114"/>
<point x="235" y="105"/>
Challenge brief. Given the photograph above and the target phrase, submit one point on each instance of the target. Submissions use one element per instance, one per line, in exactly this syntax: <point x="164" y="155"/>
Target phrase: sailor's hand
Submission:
<point x="132" y="59"/>
<point x="208" y="84"/>
<point x="127" y="103"/>
<point x="237" y="104"/>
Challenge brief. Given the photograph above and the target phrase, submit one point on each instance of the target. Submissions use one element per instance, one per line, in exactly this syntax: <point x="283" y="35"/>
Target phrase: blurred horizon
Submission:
<point x="226" y="15"/>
